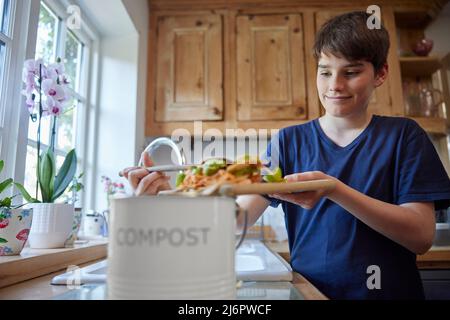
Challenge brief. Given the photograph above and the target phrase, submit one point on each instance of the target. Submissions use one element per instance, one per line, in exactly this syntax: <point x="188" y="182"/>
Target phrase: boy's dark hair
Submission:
<point x="348" y="36"/>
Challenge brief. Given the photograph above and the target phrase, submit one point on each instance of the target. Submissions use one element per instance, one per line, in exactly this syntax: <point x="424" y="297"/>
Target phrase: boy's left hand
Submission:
<point x="308" y="199"/>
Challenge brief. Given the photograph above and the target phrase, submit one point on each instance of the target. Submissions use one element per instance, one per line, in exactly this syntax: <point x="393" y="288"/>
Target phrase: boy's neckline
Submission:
<point x="350" y="145"/>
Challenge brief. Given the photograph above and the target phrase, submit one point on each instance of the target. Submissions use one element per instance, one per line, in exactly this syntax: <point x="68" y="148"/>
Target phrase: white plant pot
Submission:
<point x="51" y="226"/>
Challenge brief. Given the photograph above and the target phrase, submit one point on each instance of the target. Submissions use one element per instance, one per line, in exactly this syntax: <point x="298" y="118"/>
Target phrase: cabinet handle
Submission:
<point x="217" y="112"/>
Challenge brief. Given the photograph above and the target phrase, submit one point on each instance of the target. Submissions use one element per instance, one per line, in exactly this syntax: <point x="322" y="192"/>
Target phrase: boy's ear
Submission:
<point x="381" y="75"/>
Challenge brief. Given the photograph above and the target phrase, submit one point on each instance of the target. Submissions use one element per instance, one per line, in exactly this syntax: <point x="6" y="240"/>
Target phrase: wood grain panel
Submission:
<point x="189" y="82"/>
<point x="270" y="67"/>
<point x="189" y="77"/>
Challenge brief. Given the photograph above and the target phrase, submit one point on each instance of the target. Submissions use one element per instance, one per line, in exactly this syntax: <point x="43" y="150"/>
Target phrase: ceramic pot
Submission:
<point x="75" y="228"/>
<point x="52" y="225"/>
<point x="14" y="229"/>
<point x="423" y="47"/>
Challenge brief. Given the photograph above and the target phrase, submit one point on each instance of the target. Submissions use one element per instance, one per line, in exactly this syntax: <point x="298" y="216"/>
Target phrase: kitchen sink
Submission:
<point x="253" y="262"/>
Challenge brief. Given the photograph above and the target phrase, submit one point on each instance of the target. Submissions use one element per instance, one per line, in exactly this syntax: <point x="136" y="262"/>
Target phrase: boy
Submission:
<point x="359" y="240"/>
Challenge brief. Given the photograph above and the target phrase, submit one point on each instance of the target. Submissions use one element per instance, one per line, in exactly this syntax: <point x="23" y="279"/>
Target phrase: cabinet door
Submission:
<point x="380" y="102"/>
<point x="189" y="68"/>
<point x="270" y="67"/>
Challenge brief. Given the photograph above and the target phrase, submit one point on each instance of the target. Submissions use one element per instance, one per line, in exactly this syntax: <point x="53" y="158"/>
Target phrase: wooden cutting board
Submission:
<point x="280" y="187"/>
<point x="257" y="188"/>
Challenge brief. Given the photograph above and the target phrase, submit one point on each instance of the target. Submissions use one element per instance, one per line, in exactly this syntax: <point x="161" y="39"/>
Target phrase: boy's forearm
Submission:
<point x="414" y="230"/>
<point x="254" y="205"/>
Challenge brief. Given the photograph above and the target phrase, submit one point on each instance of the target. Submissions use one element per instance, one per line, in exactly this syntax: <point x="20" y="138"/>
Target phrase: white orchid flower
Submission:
<point x="53" y="90"/>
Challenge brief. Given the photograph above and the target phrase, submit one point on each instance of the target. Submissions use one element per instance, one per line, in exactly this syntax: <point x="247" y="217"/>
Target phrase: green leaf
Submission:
<point x="3" y="240"/>
<point x="196" y="170"/>
<point x="180" y="178"/>
<point x="2" y="164"/>
<point x="5" y="203"/>
<point x="276" y="176"/>
<point x="65" y="174"/>
<point x="5" y="184"/>
<point x="212" y="166"/>
<point x="47" y="176"/>
<point x="25" y="194"/>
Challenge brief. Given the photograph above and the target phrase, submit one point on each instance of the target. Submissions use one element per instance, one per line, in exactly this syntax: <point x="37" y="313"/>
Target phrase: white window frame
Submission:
<point x="23" y="27"/>
<point x="56" y="8"/>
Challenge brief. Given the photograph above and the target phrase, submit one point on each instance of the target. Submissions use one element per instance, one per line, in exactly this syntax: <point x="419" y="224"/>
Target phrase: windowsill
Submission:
<point x="32" y="263"/>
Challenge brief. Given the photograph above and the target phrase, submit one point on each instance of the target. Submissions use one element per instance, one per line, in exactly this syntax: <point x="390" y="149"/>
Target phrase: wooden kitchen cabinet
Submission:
<point x="189" y="68"/>
<point x="270" y="71"/>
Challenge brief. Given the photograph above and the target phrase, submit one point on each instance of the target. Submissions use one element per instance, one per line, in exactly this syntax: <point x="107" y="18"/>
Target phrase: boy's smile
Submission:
<point x="345" y="87"/>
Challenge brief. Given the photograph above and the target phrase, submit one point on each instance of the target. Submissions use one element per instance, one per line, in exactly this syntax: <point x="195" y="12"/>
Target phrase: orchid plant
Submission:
<point x="111" y="188"/>
<point x="47" y="95"/>
<point x="6" y="203"/>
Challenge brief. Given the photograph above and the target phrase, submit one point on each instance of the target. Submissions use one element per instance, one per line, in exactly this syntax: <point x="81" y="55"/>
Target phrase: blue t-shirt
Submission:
<point x="392" y="160"/>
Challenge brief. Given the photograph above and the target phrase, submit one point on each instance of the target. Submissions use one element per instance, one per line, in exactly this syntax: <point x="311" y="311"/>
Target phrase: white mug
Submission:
<point x="172" y="247"/>
<point x="93" y="224"/>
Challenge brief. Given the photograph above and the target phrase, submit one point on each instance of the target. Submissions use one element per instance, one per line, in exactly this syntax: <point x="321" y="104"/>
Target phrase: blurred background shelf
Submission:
<point x="419" y="66"/>
<point x="434" y="126"/>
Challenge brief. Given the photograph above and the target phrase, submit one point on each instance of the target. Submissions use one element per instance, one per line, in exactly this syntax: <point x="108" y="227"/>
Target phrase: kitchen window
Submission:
<point x="56" y="40"/>
<point x="5" y="44"/>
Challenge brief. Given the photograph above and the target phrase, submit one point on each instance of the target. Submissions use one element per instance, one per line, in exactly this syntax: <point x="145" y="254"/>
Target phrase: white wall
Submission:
<point x="139" y="13"/>
<point x="118" y="138"/>
<point x="115" y="139"/>
<point x="438" y="31"/>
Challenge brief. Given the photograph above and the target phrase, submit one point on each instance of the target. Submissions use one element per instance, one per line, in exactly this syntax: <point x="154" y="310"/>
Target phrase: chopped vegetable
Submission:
<point x="211" y="167"/>
<point x="276" y="176"/>
<point x="242" y="169"/>
<point x="196" y="170"/>
<point x="180" y="178"/>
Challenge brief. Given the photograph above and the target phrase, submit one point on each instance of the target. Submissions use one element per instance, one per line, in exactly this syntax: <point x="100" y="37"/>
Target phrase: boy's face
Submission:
<point x="345" y="87"/>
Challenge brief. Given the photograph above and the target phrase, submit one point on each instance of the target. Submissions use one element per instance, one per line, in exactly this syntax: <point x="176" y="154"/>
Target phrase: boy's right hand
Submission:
<point x="143" y="182"/>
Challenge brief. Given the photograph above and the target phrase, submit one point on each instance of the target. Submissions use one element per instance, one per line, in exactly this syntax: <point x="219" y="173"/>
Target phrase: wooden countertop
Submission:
<point x="435" y="258"/>
<point x="28" y="276"/>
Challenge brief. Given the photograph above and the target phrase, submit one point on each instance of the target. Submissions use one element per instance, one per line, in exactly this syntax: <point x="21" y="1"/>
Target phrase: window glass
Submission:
<point x="4" y="16"/>
<point x="2" y="67"/>
<point x="45" y="130"/>
<point x="47" y="35"/>
<point x="72" y="61"/>
<point x="66" y="124"/>
<point x="55" y="40"/>
<point x="2" y="9"/>
<point x="30" y="171"/>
